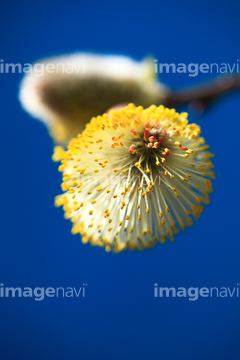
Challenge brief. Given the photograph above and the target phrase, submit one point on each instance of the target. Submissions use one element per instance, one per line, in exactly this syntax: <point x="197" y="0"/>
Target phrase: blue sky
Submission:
<point x="119" y="317"/>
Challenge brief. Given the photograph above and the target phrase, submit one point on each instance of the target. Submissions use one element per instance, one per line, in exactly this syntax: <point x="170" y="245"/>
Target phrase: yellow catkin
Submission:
<point x="149" y="187"/>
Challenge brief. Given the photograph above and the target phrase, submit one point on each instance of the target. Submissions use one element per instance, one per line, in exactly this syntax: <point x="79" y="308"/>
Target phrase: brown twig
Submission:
<point x="199" y="97"/>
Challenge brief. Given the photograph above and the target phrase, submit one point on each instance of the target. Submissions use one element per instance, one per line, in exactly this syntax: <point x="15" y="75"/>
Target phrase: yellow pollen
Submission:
<point x="137" y="164"/>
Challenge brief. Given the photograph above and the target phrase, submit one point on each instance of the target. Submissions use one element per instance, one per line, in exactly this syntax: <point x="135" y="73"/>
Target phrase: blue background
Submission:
<point x="119" y="318"/>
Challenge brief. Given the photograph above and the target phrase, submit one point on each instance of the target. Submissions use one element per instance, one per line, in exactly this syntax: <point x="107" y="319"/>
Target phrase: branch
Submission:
<point x="199" y="97"/>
